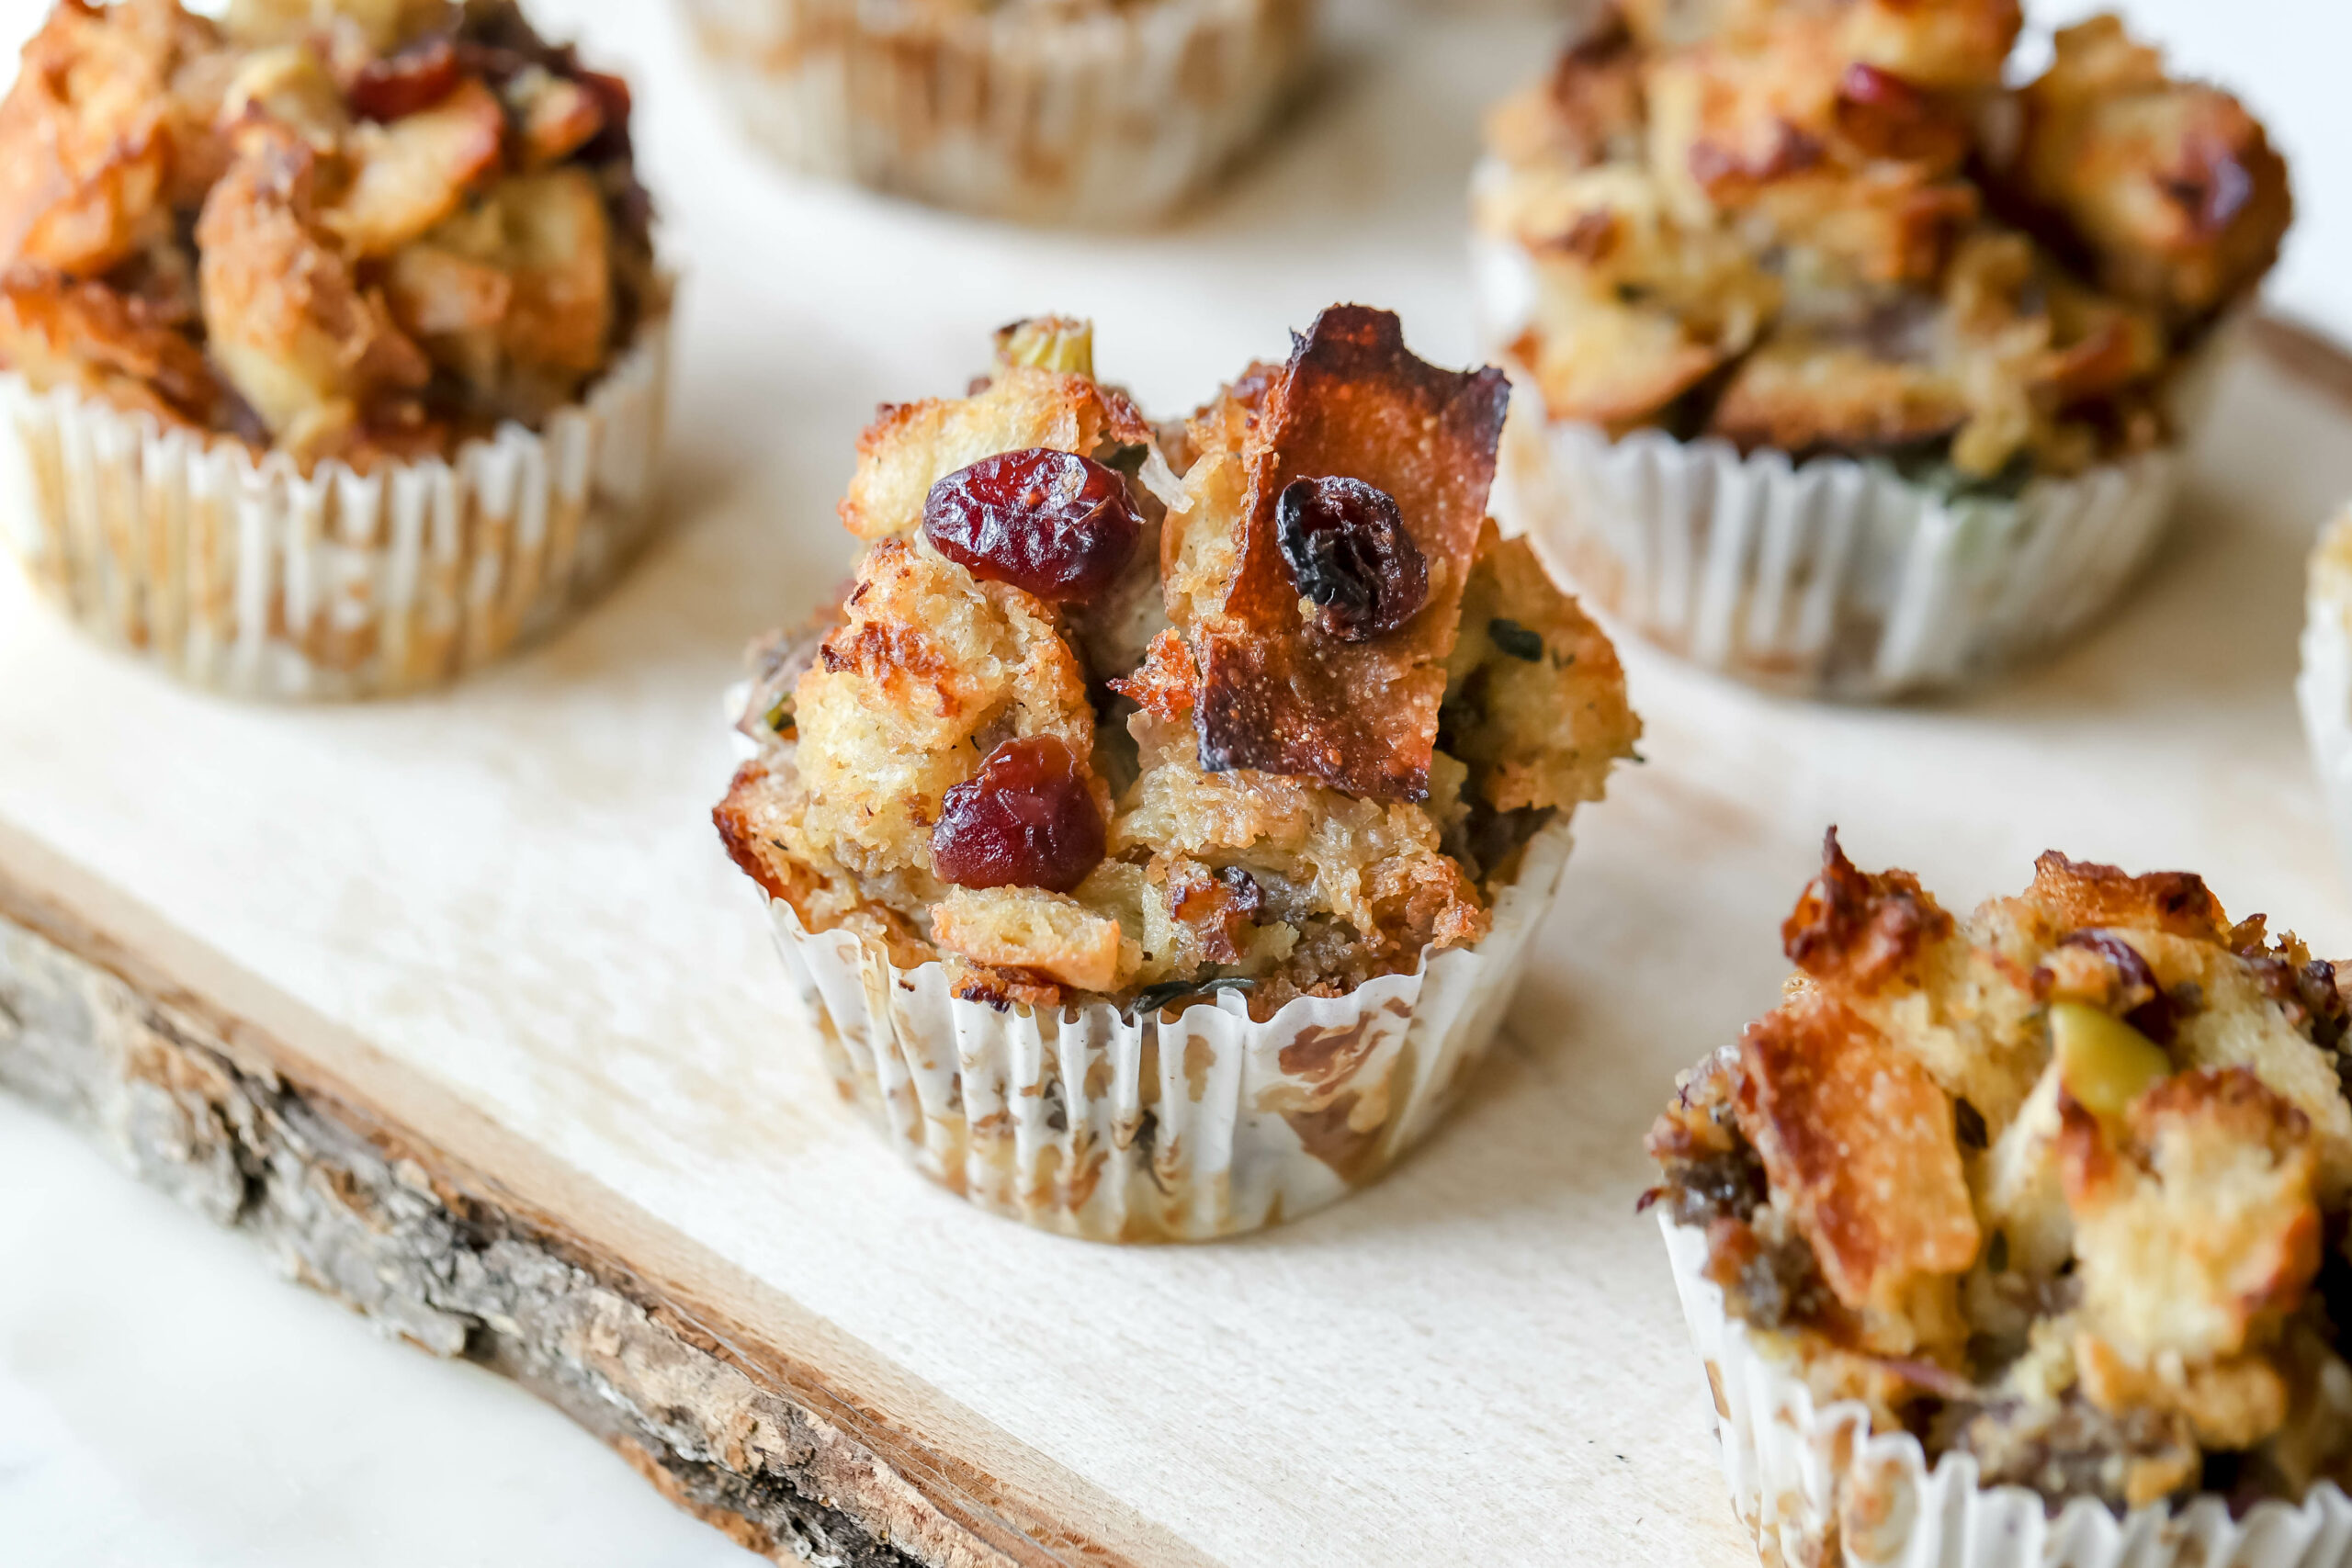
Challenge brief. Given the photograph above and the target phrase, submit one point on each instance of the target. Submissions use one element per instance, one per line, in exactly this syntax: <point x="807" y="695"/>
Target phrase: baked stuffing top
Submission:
<point x="1826" y="226"/>
<point x="2063" y="1186"/>
<point x="1257" y="700"/>
<point x="357" y="228"/>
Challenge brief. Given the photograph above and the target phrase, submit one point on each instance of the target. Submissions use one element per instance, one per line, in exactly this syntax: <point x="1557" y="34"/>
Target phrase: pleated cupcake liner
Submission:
<point x="1816" y="1486"/>
<point x="1092" y="1122"/>
<point x="1830" y="577"/>
<point x="248" y="576"/>
<point x="1105" y="119"/>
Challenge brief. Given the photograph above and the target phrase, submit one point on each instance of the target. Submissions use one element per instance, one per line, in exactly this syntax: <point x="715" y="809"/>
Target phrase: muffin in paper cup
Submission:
<point x="362" y="382"/>
<point x="2015" y="1238"/>
<point x="253" y="577"/>
<point x="1816" y="1486"/>
<point x="2323" y="688"/>
<point x="1098" y="114"/>
<point x="1874" y="400"/>
<point x="1102" y="821"/>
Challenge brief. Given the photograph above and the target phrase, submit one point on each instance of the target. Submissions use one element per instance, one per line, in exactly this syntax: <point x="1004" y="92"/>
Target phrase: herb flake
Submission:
<point x="1516" y="641"/>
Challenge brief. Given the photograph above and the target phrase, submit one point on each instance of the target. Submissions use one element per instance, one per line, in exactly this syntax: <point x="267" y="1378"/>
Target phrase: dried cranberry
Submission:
<point x="399" y="85"/>
<point x="1348" y="552"/>
<point x="1025" y="819"/>
<point x="1054" y="524"/>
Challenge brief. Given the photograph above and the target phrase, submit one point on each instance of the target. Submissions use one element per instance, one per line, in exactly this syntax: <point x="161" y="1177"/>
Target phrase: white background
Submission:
<point x="165" y="1401"/>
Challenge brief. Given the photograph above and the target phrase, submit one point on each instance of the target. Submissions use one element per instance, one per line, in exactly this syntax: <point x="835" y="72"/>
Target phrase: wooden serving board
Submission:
<point x="457" y="1007"/>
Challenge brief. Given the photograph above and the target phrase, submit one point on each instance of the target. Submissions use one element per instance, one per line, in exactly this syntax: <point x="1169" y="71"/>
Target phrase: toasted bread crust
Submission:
<point x="1277" y="692"/>
<point x="1858" y="1139"/>
<point x="2169" y="193"/>
<point x="1861" y="931"/>
<point x="59" y="332"/>
<point x="2085" y="894"/>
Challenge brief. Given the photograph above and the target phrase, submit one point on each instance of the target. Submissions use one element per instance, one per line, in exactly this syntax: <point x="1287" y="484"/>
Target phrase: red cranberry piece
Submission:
<point x="416" y="78"/>
<point x="1054" y="524"/>
<point x="1348" y="552"/>
<point x="1025" y="819"/>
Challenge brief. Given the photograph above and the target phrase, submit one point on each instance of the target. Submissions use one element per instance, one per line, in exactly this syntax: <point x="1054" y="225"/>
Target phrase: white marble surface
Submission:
<point x="165" y="1401"/>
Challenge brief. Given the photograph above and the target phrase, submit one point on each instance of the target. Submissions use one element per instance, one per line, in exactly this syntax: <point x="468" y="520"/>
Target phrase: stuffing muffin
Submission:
<point x="1099" y="113"/>
<point x="2061" y="1187"/>
<point x="1257" y="701"/>
<point x="1824" y="227"/>
<point x="1848" y="369"/>
<point x="367" y="230"/>
<point x="333" y="347"/>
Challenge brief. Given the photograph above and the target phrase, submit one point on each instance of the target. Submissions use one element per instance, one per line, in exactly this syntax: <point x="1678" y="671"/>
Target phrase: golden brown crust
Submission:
<point x="284" y="315"/>
<point x="516" y="297"/>
<point x="58" y="332"/>
<point x="1277" y="691"/>
<point x="1588" y="110"/>
<point x="1858" y="1140"/>
<point x="1851" y="930"/>
<point x="111" y="110"/>
<point x="1049" y="937"/>
<point x="2197" y="1228"/>
<point x="1800" y="398"/>
<point x="2170" y="190"/>
<point x="756" y="850"/>
<point x="1164" y="685"/>
<point x="2083" y="893"/>
<point x="409" y="175"/>
<point x="1535" y="699"/>
<point x="928" y="671"/>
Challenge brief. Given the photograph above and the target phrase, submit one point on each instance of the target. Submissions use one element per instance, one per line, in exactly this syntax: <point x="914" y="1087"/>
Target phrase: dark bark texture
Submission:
<point x="366" y="1214"/>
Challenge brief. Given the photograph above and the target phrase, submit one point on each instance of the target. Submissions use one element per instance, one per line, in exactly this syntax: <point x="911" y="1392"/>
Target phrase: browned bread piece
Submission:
<point x="1278" y="692"/>
<point x="111" y="121"/>
<point x="2168" y="191"/>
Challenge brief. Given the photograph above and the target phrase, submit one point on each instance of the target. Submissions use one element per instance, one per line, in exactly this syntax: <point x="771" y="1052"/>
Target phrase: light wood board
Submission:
<point x="493" y="932"/>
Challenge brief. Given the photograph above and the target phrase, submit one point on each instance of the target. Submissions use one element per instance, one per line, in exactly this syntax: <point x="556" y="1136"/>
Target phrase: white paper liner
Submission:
<point x="1111" y="119"/>
<point x="248" y="577"/>
<point x="1831" y="578"/>
<point x="1817" y="1487"/>
<point x="2324" y="689"/>
<point x="1204" y="1125"/>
